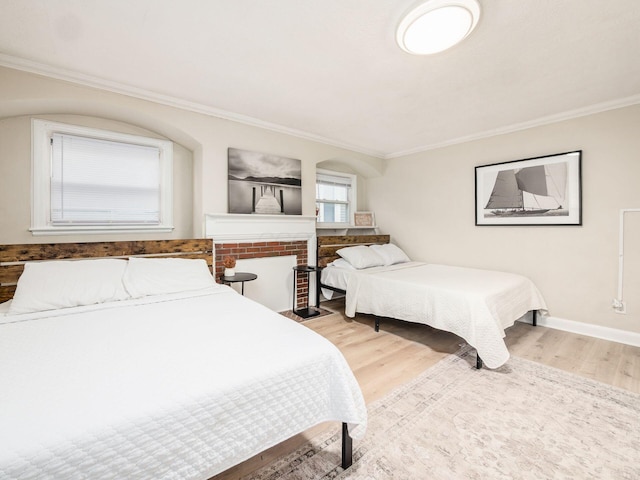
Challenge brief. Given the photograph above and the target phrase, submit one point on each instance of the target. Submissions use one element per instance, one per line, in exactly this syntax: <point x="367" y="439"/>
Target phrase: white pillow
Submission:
<point x="68" y="283"/>
<point x="4" y="307"/>
<point x="157" y="276"/>
<point x="342" y="263"/>
<point x="391" y="254"/>
<point x="361" y="257"/>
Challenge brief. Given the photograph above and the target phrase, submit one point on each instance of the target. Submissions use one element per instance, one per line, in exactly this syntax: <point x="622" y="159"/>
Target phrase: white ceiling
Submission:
<point x="331" y="70"/>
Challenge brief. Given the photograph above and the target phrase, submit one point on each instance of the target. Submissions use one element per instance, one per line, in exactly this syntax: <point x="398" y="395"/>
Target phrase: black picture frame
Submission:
<point x="263" y="184"/>
<point x="545" y="190"/>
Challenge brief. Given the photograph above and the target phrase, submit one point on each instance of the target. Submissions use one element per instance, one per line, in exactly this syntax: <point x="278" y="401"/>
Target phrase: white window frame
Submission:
<point x="352" y="198"/>
<point x="41" y="164"/>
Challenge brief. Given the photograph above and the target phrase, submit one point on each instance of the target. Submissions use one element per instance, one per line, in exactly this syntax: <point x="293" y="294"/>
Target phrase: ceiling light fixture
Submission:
<point x="437" y="25"/>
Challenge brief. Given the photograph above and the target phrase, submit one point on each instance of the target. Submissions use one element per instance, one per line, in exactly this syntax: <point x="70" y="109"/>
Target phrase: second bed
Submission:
<point x="477" y="305"/>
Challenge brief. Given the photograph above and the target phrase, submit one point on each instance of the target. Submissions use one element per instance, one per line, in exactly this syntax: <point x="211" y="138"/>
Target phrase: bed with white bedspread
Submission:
<point x="475" y="304"/>
<point x="176" y="384"/>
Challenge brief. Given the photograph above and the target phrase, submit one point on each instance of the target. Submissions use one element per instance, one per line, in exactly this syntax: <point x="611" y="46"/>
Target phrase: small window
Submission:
<point x="95" y="181"/>
<point x="335" y="197"/>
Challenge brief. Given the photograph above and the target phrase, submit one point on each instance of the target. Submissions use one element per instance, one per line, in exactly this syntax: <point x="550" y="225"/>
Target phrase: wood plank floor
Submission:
<point x="401" y="351"/>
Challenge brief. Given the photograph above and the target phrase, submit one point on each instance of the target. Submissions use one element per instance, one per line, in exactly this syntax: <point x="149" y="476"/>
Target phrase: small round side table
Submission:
<point x="238" y="277"/>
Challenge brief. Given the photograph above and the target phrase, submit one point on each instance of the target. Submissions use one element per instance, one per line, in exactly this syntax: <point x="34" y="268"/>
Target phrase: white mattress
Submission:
<point x="475" y="304"/>
<point x="335" y="277"/>
<point x="183" y="387"/>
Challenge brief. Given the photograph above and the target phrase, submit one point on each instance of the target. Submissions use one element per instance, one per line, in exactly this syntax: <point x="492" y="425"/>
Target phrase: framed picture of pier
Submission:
<point x="543" y="190"/>
<point x="264" y="184"/>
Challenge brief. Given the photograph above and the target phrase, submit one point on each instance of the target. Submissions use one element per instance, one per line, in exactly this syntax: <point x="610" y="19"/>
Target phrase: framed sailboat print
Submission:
<point x="534" y="191"/>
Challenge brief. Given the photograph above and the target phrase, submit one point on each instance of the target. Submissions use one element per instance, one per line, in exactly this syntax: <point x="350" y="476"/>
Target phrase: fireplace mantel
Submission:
<point x="255" y="228"/>
<point x="261" y="239"/>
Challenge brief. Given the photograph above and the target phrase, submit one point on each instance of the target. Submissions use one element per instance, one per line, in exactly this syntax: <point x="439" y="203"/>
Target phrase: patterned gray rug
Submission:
<point x="522" y="421"/>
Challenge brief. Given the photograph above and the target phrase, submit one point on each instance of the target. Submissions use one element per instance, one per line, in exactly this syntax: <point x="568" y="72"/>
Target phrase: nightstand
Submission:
<point x="238" y="277"/>
<point x="308" y="311"/>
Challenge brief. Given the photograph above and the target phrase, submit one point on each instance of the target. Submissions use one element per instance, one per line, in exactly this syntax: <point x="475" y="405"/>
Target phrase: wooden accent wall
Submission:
<point x="328" y="245"/>
<point x="14" y="257"/>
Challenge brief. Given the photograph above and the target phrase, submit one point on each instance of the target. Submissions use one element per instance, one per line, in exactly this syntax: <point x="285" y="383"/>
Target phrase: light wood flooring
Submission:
<point x="400" y="351"/>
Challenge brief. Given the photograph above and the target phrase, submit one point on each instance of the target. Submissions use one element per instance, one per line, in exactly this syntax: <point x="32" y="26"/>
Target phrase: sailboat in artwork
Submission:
<point x="529" y="191"/>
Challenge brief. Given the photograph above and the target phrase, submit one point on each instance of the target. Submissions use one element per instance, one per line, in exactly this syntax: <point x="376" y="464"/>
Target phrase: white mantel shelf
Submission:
<point x="254" y="228"/>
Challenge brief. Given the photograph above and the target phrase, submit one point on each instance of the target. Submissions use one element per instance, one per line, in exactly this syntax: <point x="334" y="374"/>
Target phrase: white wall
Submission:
<point x="15" y="175"/>
<point x="203" y="142"/>
<point x="426" y="202"/>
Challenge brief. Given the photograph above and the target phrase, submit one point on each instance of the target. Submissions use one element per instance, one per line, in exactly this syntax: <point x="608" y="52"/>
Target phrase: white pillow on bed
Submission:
<point x="342" y="263"/>
<point x="4" y="308"/>
<point x="391" y="254"/>
<point x="68" y="283"/>
<point x="361" y="257"/>
<point x="157" y="276"/>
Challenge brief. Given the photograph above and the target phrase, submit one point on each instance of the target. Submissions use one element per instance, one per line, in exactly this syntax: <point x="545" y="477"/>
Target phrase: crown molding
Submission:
<point x="71" y="76"/>
<point x="580" y="112"/>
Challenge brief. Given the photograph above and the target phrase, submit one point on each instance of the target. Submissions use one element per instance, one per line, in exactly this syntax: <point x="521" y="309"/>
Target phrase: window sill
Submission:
<point x="342" y="227"/>
<point x="72" y="230"/>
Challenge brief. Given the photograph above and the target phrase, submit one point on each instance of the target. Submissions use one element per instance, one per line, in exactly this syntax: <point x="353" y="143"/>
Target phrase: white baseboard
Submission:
<point x="597" y="331"/>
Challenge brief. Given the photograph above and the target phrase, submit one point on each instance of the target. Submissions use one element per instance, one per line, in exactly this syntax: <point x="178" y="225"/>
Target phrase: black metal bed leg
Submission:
<point x="347" y="448"/>
<point x="535" y="318"/>
<point x="377" y="327"/>
<point x="478" y="361"/>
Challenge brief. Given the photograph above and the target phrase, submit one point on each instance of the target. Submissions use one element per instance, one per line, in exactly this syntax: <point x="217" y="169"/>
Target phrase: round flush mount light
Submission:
<point x="437" y="25"/>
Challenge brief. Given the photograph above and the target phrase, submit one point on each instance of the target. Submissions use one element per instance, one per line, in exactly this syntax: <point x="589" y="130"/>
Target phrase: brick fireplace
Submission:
<point x="272" y="245"/>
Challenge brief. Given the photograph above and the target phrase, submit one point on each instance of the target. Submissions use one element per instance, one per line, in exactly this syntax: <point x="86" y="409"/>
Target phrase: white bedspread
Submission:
<point x="183" y="387"/>
<point x="475" y="304"/>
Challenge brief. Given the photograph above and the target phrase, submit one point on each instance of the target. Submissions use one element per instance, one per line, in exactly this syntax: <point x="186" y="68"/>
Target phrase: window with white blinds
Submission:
<point x="335" y="197"/>
<point x="99" y="181"/>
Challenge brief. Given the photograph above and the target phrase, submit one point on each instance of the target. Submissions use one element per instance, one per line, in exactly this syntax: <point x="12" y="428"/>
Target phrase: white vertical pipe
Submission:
<point x="621" y="250"/>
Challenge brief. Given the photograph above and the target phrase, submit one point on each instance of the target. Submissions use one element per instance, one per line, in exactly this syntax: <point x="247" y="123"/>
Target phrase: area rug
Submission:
<point x="521" y="421"/>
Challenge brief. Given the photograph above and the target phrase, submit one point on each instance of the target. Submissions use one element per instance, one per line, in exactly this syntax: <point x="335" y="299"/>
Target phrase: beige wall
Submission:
<point x="203" y="140"/>
<point x="15" y="172"/>
<point x="426" y="202"/>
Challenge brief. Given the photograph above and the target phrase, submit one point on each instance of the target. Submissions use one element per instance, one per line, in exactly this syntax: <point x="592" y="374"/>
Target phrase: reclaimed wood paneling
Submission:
<point x="352" y="240"/>
<point x="57" y="251"/>
<point x="10" y="273"/>
<point x="13" y="257"/>
<point x="328" y="245"/>
<point x="6" y="292"/>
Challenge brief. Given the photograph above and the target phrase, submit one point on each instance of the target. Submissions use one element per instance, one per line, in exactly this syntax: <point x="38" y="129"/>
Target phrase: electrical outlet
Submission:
<point x="619" y="306"/>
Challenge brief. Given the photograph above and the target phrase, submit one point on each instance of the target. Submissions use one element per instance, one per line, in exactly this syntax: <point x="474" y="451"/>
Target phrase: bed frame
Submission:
<point x="329" y="244"/>
<point x="14" y="257"/>
<point x="326" y="253"/>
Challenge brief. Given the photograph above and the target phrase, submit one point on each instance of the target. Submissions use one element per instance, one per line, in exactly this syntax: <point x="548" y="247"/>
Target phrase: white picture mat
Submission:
<point x="486" y="177"/>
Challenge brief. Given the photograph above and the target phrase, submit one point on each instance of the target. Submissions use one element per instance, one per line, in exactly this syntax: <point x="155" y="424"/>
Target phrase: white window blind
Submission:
<point x="102" y="182"/>
<point x="333" y="198"/>
<point x="99" y="181"/>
